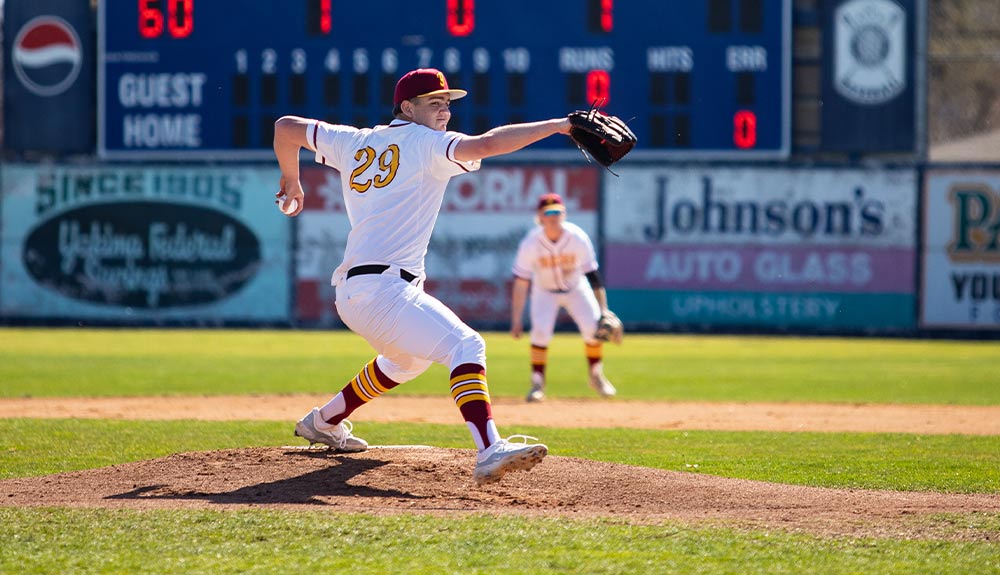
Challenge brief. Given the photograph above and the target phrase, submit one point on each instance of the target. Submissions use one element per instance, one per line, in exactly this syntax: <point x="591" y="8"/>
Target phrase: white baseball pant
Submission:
<point x="407" y="327"/>
<point x="581" y="304"/>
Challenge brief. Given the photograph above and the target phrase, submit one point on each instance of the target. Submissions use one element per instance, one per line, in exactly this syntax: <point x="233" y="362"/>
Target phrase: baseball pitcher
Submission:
<point x="393" y="178"/>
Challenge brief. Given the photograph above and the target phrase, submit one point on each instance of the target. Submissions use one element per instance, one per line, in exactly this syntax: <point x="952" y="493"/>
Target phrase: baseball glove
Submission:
<point x="610" y="328"/>
<point x="605" y="138"/>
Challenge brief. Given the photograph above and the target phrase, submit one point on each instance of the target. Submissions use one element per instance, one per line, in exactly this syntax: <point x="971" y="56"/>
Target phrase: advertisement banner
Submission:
<point x="484" y="216"/>
<point x="961" y="257"/>
<point x="144" y="244"/>
<point x="48" y="76"/>
<point x="773" y="247"/>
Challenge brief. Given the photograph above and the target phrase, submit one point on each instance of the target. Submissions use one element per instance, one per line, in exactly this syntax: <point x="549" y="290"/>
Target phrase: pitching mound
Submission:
<point x="439" y="481"/>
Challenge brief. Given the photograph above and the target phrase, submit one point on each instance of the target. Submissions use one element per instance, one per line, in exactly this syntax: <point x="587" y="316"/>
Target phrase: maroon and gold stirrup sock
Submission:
<point x="471" y="395"/>
<point x="539" y="357"/>
<point x="595" y="353"/>
<point x="366" y="386"/>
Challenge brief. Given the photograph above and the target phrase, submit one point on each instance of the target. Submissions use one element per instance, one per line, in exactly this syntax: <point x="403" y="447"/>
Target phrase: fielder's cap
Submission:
<point x="423" y="82"/>
<point x="551" y="204"/>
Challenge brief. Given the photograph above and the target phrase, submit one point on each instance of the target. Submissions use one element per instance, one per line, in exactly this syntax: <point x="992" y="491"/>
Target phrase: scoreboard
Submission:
<point x="206" y="79"/>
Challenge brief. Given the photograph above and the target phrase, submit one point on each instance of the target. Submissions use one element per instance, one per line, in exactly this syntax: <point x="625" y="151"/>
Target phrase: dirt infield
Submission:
<point x="438" y="481"/>
<point x="922" y="419"/>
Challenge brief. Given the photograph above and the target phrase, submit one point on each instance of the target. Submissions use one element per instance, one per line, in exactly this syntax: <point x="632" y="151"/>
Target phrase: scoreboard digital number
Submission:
<point x="203" y="79"/>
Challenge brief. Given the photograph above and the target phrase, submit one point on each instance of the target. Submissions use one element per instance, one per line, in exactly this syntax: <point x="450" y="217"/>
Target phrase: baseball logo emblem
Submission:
<point x="47" y="55"/>
<point x="870" y="51"/>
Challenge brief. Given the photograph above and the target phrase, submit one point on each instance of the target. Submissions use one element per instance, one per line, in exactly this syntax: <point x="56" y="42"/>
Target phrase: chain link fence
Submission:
<point x="963" y="115"/>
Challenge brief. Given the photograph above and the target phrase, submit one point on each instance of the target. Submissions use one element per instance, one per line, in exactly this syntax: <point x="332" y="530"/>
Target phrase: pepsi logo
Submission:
<point x="47" y="55"/>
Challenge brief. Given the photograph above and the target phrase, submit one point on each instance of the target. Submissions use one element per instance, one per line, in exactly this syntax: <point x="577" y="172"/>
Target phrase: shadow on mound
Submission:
<point x="310" y="488"/>
<point x="439" y="481"/>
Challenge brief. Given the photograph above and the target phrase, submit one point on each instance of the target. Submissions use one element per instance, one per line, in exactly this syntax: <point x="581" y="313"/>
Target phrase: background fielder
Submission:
<point x="557" y="259"/>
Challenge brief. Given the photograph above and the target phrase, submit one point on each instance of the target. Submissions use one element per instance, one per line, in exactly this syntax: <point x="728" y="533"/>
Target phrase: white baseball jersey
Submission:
<point x="393" y="179"/>
<point x="555" y="266"/>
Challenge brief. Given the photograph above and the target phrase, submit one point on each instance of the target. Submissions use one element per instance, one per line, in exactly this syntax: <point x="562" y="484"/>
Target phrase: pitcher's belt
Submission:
<point x="376" y="269"/>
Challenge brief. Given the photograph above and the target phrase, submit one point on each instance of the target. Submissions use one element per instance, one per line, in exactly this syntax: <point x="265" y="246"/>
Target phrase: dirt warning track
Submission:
<point x="920" y="419"/>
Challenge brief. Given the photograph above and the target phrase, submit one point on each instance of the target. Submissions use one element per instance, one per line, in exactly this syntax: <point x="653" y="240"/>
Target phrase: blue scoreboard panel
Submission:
<point x="205" y="79"/>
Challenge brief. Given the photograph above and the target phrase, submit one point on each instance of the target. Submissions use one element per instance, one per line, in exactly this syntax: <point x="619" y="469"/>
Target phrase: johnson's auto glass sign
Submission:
<point x="762" y="246"/>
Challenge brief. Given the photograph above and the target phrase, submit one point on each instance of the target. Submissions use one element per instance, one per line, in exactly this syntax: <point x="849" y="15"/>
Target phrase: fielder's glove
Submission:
<point x="610" y="328"/>
<point x="605" y="138"/>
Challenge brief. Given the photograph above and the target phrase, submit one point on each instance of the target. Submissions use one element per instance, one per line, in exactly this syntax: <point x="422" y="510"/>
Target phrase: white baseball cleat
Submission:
<point x="339" y="438"/>
<point x="601" y="385"/>
<point x="537" y="392"/>
<point x="503" y="457"/>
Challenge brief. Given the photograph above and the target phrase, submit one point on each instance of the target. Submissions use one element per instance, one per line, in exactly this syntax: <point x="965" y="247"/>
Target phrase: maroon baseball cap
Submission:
<point x="423" y="82"/>
<point x="551" y="204"/>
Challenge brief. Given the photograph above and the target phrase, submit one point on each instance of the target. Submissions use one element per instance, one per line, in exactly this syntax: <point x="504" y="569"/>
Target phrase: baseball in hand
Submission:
<point x="287" y="206"/>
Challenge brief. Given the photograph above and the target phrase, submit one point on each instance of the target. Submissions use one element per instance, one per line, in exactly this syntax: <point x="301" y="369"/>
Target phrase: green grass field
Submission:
<point x="73" y="363"/>
<point x="268" y="542"/>
<point x="39" y="362"/>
